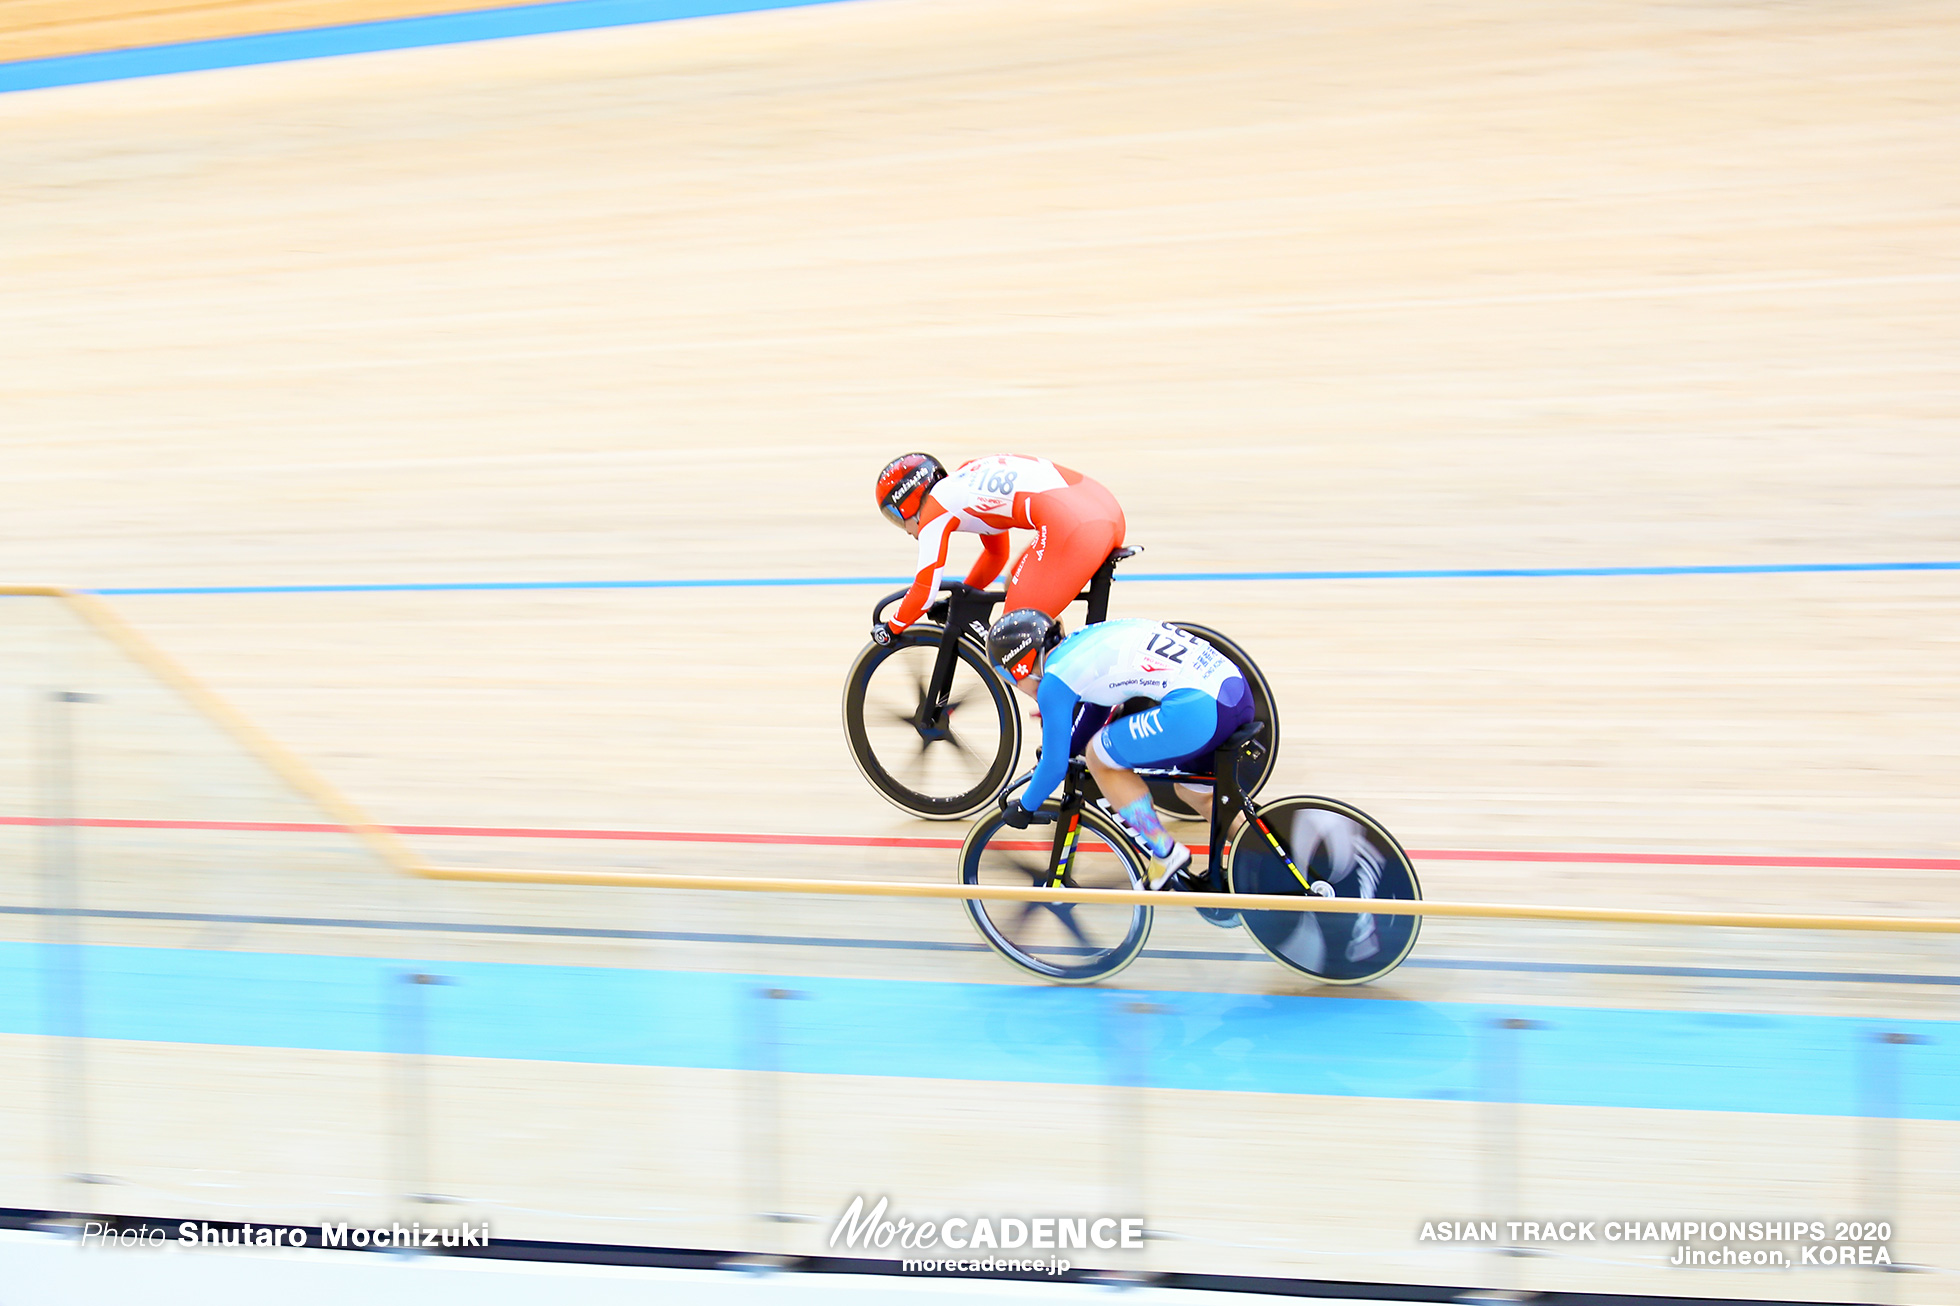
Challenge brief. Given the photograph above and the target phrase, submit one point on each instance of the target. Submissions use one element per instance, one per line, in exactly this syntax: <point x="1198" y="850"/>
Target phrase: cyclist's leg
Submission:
<point x="1184" y="730"/>
<point x="1129" y="798"/>
<point x="1183" y="725"/>
<point x="1089" y="718"/>
<point x="1075" y="530"/>
<point x="1236" y="709"/>
<point x="1196" y="796"/>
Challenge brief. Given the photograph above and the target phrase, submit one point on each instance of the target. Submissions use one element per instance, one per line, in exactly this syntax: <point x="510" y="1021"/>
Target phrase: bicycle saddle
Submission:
<point x="1246" y="737"/>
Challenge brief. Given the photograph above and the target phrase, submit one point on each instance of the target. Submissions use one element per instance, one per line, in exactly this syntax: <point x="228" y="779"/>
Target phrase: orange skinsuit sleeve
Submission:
<point x="935" y="538"/>
<point x="993" y="556"/>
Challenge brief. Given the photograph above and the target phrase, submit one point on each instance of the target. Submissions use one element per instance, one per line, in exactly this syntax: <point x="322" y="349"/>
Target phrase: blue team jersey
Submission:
<point x="1114" y="661"/>
<point x="1110" y="663"/>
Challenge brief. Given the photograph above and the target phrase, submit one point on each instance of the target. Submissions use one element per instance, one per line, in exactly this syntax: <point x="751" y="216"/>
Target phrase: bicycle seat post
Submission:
<point x="1224" y="802"/>
<point x="1098" y="595"/>
<point x="1227" y="796"/>
<point x="1241" y="747"/>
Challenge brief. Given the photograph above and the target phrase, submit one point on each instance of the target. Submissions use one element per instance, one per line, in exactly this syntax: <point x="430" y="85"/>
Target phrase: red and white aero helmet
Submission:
<point x="904" y="484"/>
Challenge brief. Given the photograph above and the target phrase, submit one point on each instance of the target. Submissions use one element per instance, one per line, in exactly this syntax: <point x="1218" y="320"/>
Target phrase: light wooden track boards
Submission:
<point x="1311" y="286"/>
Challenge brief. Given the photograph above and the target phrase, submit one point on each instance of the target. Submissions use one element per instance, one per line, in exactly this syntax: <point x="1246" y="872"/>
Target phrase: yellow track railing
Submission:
<point x="1237" y="902"/>
<point x="385" y="845"/>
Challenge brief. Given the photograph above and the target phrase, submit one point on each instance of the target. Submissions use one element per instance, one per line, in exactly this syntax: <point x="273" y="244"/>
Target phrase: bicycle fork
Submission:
<point x="960" y="619"/>
<point x="1062" y="856"/>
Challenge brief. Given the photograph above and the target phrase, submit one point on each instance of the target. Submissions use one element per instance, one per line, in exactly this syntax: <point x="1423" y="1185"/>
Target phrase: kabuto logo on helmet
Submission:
<point x="904" y="483"/>
<point x="1018" y="640"/>
<point x="917" y="477"/>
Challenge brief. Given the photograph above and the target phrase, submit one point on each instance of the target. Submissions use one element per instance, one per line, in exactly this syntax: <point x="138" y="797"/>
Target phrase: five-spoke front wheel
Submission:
<point x="1068" y="942"/>
<point x="942" y="761"/>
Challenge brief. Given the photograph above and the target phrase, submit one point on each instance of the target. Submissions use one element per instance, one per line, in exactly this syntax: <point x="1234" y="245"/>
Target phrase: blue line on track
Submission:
<point x="754" y="582"/>
<point x="1575" y="1056"/>
<point x="422" y="588"/>
<point x="937" y="945"/>
<point x="363" y="38"/>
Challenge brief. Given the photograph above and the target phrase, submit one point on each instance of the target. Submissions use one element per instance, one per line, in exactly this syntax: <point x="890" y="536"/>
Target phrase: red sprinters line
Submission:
<point x="680" y="836"/>
<point x="889" y="841"/>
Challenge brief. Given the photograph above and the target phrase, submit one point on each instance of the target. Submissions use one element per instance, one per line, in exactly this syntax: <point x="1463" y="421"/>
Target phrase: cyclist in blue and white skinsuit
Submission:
<point x="1200" y="700"/>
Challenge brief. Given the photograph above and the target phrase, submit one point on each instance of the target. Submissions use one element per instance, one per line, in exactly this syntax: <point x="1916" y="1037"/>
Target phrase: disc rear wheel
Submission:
<point x="1327" y="840"/>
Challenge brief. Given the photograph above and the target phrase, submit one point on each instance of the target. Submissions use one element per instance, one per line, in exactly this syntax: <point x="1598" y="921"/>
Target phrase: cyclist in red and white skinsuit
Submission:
<point x="1077" y="523"/>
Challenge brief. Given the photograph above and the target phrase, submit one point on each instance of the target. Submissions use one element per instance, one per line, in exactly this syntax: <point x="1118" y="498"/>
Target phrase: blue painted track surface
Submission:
<point x="362" y="38"/>
<point x="1791" y="1064"/>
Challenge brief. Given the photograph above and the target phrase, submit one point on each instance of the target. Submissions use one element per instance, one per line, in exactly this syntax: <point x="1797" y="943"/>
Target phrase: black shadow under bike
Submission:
<point x="932" y="722"/>
<point x="1288" y="847"/>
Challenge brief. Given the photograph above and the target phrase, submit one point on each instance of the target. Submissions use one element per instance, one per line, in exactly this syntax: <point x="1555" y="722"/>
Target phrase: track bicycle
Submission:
<point x="1289" y="846"/>
<point x="901" y="701"/>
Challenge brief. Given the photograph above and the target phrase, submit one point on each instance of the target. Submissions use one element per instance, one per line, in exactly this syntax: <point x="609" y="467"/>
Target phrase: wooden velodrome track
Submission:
<point x="1329" y="287"/>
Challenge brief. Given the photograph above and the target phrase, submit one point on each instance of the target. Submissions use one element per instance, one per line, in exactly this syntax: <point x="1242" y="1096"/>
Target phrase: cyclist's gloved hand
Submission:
<point x="1012" y="813"/>
<point x="883" y="635"/>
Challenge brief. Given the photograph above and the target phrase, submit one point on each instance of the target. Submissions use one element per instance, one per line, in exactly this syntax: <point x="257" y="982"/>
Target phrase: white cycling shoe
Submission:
<point x="1169" y="867"/>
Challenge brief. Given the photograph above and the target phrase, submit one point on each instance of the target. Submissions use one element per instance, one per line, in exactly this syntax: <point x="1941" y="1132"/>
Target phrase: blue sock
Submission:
<point x="1142" y="817"/>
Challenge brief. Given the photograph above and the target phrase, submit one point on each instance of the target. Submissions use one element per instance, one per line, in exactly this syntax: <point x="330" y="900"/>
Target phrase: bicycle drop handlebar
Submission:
<point x="959" y="590"/>
<point x="956" y="588"/>
<point x="1075" y="768"/>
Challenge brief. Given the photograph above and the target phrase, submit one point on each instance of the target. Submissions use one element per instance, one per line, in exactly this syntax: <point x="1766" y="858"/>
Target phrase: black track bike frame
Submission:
<point x="1229" y="799"/>
<point x="966" y="609"/>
